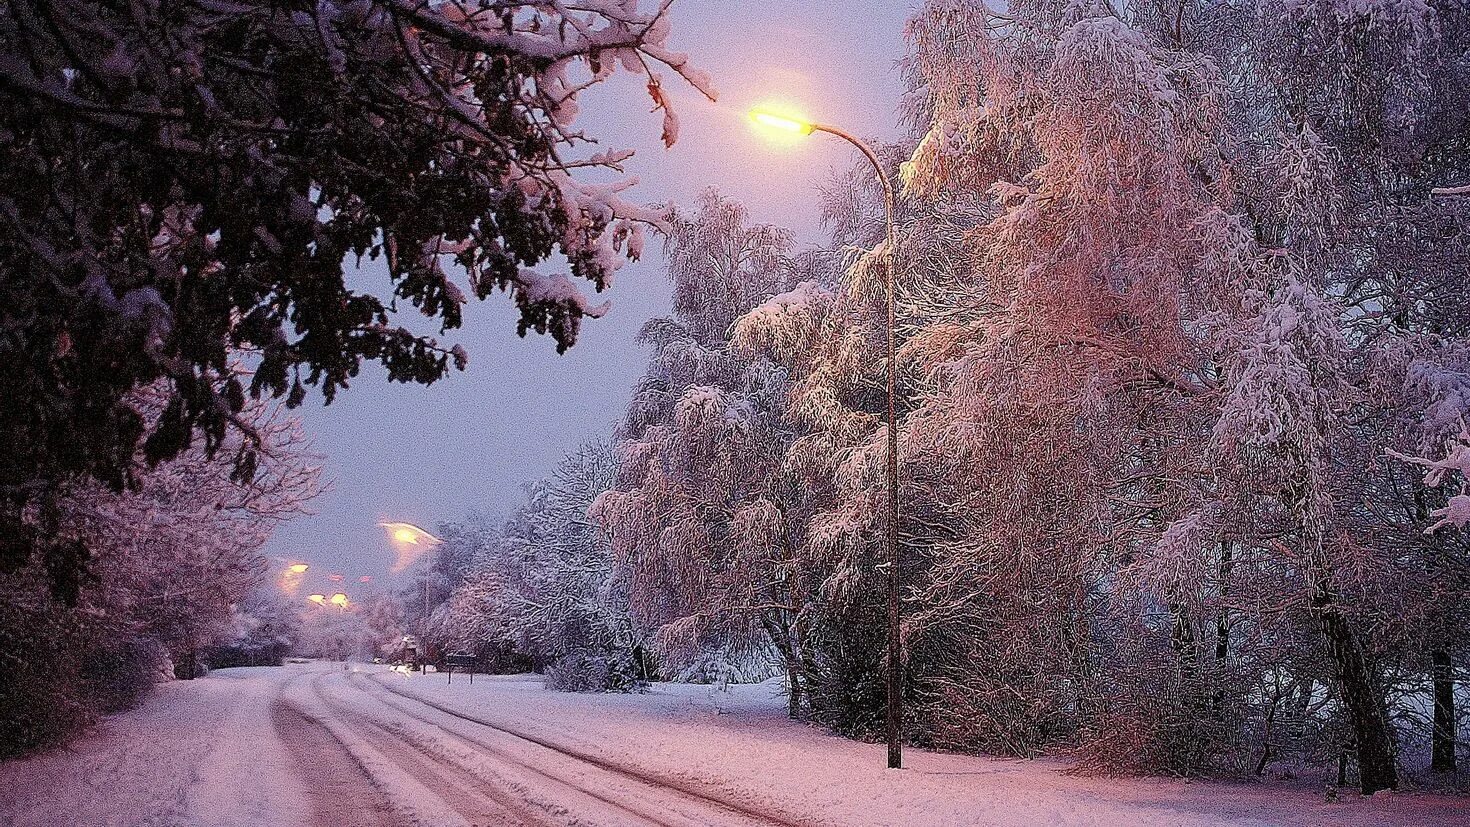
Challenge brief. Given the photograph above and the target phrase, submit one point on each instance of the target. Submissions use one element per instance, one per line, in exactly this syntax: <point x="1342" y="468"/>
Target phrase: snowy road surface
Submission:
<point x="319" y="745"/>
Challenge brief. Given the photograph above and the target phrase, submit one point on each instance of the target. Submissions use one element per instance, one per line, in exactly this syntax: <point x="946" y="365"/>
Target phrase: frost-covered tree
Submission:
<point x="186" y="180"/>
<point x="827" y="333"/>
<point x="698" y="448"/>
<point x="1089" y="146"/>
<point x="1195" y="275"/>
<point x="175" y="555"/>
<point x="543" y="587"/>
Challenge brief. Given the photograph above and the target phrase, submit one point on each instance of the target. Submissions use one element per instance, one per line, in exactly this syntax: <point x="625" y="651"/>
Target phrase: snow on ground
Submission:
<point x="365" y="747"/>
<point x="740" y="743"/>
<point x="197" y="752"/>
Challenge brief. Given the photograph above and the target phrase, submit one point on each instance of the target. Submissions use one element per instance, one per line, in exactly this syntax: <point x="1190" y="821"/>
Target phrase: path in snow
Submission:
<point x="319" y="744"/>
<point x="200" y="752"/>
<point x="340" y="792"/>
<point x="557" y="779"/>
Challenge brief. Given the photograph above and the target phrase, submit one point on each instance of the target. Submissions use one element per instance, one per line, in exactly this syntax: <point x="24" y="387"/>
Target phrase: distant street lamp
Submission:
<point x="410" y="534"/>
<point x="408" y="537"/>
<point x="792" y="126"/>
<point x="291" y="576"/>
<point x="318" y="599"/>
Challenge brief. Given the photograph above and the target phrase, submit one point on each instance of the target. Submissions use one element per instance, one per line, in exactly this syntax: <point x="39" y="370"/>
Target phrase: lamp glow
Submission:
<point x="298" y="568"/>
<point x="410" y="534"/>
<point x="409" y="542"/>
<point x="782" y="123"/>
<point x="317" y="598"/>
<point x="339" y="599"/>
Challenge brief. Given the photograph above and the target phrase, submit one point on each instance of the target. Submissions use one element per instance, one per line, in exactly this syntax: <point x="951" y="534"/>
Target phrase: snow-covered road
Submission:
<point x="318" y="744"/>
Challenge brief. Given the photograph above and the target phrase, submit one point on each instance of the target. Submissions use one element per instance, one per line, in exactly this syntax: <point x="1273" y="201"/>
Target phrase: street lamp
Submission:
<point x="404" y="536"/>
<point x="792" y="126"/>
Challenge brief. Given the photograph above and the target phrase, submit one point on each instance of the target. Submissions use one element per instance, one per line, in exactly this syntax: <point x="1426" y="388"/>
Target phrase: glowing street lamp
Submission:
<point x="410" y="534"/>
<point x="339" y="600"/>
<point x="782" y="122"/>
<point x="409" y="541"/>
<point x="318" y="599"/>
<point x="291" y="576"/>
<point x="778" y="123"/>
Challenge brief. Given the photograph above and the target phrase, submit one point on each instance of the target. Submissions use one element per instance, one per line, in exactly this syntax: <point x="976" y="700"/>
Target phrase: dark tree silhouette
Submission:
<point x="183" y="181"/>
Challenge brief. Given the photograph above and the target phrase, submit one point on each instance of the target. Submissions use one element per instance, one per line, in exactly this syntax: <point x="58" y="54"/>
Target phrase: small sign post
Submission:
<point x="461" y="660"/>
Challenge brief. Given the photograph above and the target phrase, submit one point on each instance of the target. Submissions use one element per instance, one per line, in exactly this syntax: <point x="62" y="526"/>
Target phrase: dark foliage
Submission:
<point x="180" y="183"/>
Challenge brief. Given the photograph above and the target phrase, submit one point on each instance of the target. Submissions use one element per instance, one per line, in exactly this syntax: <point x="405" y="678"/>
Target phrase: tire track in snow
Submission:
<point x="478" y="802"/>
<point x="414" y="803"/>
<point x="677" y="788"/>
<point x="494" y="761"/>
<point x="340" y="790"/>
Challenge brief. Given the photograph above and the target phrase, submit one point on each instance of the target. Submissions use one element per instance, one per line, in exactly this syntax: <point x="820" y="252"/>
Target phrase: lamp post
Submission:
<point x="406" y="537"/>
<point x="795" y="126"/>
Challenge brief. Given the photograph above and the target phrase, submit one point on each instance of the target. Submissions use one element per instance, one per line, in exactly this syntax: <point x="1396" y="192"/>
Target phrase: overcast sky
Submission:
<point x="429" y="455"/>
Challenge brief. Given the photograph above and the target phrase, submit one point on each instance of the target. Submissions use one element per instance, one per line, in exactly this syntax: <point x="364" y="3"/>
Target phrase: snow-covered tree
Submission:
<point x="698" y="447"/>
<point x="543" y="586"/>
<point x="175" y="554"/>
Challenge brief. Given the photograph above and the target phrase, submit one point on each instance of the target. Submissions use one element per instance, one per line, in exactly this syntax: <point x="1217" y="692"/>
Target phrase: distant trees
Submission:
<point x="182" y="182"/>
<point x="264" y="628"/>
<point x="333" y="633"/>
<point x="544" y="588"/>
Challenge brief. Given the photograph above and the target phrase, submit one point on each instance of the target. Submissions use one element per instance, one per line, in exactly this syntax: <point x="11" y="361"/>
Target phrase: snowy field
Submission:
<point x="317" y="744"/>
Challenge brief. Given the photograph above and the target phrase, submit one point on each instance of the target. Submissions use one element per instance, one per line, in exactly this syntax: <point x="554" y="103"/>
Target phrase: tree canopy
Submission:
<point x="183" y="182"/>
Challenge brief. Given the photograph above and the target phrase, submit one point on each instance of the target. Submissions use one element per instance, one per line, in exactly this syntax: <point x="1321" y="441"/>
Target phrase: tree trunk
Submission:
<point x="1376" y="769"/>
<point x="1443" y="753"/>
<point x="1222" y="623"/>
<point x="1268" y="732"/>
<point x="793" y="692"/>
